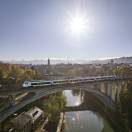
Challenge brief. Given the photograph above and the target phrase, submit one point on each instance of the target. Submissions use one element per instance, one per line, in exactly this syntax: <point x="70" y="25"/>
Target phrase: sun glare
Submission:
<point x="79" y="25"/>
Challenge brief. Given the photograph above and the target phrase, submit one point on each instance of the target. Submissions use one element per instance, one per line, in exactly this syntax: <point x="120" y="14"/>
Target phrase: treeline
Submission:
<point x="13" y="73"/>
<point x="125" y="105"/>
<point x="123" y="70"/>
<point x="53" y="104"/>
<point x="77" y="69"/>
<point x="86" y="69"/>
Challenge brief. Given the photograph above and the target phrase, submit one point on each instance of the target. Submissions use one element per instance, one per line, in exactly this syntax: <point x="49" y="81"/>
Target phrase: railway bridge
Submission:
<point x="107" y="90"/>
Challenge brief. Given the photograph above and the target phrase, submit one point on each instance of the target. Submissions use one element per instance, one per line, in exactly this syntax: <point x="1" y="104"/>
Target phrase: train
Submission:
<point x="35" y="83"/>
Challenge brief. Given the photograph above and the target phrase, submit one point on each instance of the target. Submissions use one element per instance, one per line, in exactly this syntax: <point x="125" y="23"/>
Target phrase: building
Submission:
<point x="36" y="114"/>
<point x="27" y="121"/>
<point x="47" y="68"/>
<point x="22" y="123"/>
<point x="111" y="61"/>
<point x="48" y="62"/>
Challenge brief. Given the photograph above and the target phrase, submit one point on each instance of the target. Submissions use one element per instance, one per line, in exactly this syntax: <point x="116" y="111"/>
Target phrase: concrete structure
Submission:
<point x="26" y="121"/>
<point x="6" y="92"/>
<point x="106" y="90"/>
<point x="48" y="62"/>
<point x="22" y="123"/>
<point x="47" y="68"/>
<point x="35" y="114"/>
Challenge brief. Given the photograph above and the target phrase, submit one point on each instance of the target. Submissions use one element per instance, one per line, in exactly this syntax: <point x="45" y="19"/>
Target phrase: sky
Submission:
<point x="37" y="29"/>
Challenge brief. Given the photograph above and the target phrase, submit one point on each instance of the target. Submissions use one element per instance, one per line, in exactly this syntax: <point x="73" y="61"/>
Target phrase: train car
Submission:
<point x="42" y="83"/>
<point x="26" y="84"/>
<point x="60" y="81"/>
<point x="76" y="80"/>
<point x="36" y="83"/>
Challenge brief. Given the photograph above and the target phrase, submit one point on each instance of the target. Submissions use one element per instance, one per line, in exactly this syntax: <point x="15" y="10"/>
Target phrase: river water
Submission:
<point x="84" y="120"/>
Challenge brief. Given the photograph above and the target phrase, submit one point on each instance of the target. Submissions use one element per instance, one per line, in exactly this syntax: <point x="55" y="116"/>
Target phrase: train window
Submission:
<point x="34" y="83"/>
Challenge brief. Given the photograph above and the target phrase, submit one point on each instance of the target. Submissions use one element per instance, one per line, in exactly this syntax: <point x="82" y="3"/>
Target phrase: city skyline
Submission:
<point x="40" y="29"/>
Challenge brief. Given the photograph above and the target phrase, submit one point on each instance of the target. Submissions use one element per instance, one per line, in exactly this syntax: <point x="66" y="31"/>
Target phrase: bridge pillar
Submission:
<point x="96" y="86"/>
<point x="114" y="89"/>
<point x="106" y="88"/>
<point x="103" y="87"/>
<point x="11" y="99"/>
<point x="116" y="94"/>
<point x="110" y="90"/>
<point x="118" y="90"/>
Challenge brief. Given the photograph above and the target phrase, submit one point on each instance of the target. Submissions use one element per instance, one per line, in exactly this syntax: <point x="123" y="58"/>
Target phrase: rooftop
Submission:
<point x="20" y="121"/>
<point x="34" y="113"/>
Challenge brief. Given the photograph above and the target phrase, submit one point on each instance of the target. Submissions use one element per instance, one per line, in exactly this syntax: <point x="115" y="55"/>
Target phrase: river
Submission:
<point x="84" y="120"/>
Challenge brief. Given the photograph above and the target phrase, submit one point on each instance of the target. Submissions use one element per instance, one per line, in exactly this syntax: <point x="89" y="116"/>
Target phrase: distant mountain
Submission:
<point x="127" y="60"/>
<point x="124" y="60"/>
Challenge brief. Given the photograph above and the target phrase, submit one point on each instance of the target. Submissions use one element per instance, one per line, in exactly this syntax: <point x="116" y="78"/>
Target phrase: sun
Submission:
<point x="79" y="25"/>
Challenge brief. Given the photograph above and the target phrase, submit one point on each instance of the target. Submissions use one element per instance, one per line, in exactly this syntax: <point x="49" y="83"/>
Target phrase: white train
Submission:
<point x="66" y="81"/>
<point x="36" y="83"/>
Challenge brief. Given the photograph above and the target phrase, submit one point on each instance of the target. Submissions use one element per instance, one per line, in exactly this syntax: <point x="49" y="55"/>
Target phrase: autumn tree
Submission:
<point x="122" y="70"/>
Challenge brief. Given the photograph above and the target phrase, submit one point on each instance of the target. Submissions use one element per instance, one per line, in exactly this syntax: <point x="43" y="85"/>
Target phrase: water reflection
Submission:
<point x="73" y="98"/>
<point x="83" y="121"/>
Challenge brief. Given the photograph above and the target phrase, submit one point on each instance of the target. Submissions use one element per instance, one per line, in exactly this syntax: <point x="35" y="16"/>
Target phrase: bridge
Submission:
<point x="77" y="82"/>
<point x="102" y="88"/>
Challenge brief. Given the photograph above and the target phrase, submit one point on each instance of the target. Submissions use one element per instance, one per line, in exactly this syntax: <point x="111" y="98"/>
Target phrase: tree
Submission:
<point x="122" y="70"/>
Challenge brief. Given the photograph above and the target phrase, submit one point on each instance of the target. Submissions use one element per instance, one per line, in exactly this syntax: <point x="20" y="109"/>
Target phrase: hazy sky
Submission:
<point x="35" y="29"/>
